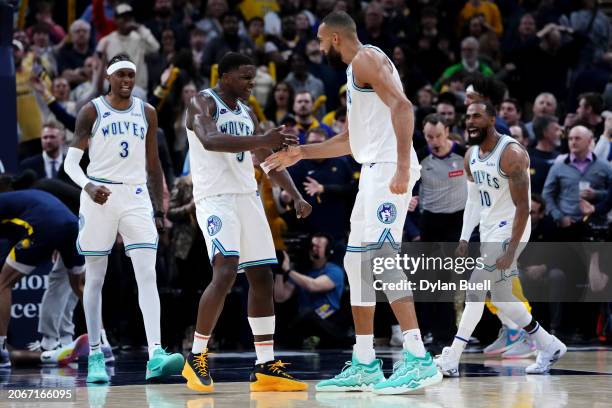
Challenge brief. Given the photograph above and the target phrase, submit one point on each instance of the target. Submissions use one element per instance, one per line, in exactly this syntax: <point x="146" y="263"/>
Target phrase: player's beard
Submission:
<point x="476" y="140"/>
<point x="334" y="58"/>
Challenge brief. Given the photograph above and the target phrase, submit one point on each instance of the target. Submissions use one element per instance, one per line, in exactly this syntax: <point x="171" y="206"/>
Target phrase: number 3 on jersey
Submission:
<point x="485" y="199"/>
<point x="124" y="150"/>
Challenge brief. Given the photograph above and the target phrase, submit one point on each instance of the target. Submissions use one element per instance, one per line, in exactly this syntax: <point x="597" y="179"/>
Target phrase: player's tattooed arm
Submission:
<point x="84" y="125"/>
<point x="466" y="163"/>
<point x="515" y="164"/>
<point x="155" y="174"/>
<point x="200" y="118"/>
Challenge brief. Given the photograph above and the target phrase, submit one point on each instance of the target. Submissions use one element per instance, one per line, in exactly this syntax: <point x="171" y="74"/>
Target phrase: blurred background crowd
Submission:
<point x="546" y="65"/>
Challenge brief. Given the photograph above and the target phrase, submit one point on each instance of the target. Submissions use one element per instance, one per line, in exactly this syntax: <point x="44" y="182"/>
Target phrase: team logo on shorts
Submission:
<point x="81" y="221"/>
<point x="213" y="225"/>
<point x="386" y="213"/>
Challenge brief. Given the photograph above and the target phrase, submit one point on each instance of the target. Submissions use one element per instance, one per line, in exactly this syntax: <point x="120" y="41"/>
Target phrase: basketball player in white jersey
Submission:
<point x="120" y="132"/>
<point x="379" y="136"/>
<point x="497" y="168"/>
<point x="222" y="131"/>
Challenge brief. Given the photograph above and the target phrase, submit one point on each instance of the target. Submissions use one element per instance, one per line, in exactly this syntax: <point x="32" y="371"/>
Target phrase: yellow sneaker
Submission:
<point x="271" y="376"/>
<point x="197" y="373"/>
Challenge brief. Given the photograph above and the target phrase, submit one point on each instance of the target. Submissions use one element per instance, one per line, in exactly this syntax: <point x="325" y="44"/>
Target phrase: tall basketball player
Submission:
<point x="120" y="131"/>
<point x="222" y="132"/>
<point x="498" y="200"/>
<point x="379" y="136"/>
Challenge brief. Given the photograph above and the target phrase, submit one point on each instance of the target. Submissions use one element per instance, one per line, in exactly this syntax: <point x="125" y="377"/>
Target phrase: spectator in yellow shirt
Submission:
<point x="489" y="11"/>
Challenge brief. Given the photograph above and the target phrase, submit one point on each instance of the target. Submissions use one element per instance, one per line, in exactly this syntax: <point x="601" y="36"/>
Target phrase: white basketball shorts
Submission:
<point x="236" y="225"/>
<point x="128" y="211"/>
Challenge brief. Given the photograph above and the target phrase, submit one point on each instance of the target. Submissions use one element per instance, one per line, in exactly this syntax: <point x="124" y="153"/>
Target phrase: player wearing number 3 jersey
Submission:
<point x="120" y="132"/>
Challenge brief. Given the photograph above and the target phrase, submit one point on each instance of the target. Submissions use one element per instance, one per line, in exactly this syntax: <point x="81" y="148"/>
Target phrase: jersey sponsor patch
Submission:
<point x="455" y="173"/>
<point x="386" y="213"/>
<point x="213" y="225"/>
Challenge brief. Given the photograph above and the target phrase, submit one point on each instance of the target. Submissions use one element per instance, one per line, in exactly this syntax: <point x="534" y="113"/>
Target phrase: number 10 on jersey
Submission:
<point x="485" y="199"/>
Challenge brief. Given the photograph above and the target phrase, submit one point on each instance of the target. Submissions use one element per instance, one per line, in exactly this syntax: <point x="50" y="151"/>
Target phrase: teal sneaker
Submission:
<point x="410" y="375"/>
<point x="96" y="368"/>
<point x="354" y="377"/>
<point x="163" y="364"/>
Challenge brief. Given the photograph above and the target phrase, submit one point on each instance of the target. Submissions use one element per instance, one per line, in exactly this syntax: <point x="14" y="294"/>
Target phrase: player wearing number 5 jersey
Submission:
<point x="120" y="132"/>
<point x="498" y="200"/>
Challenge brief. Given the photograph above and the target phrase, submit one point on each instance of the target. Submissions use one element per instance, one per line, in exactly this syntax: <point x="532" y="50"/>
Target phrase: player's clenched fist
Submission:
<point x="399" y="182"/>
<point x="302" y="208"/>
<point x="97" y="193"/>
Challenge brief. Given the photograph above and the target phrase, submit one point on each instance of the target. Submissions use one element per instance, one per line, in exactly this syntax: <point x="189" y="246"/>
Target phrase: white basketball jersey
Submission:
<point x="371" y="133"/>
<point x="117" y="148"/>
<point x="215" y="173"/>
<point x="497" y="208"/>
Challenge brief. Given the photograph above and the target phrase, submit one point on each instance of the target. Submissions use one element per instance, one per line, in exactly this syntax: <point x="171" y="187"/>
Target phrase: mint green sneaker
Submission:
<point x="355" y="376"/>
<point x="410" y="375"/>
<point x="96" y="368"/>
<point x="163" y="364"/>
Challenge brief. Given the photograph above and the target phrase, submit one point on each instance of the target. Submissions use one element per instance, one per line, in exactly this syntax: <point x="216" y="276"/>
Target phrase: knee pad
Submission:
<point x="360" y="280"/>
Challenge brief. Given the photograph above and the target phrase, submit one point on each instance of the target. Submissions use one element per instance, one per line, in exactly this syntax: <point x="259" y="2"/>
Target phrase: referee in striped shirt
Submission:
<point x="443" y="189"/>
<point x="442" y="196"/>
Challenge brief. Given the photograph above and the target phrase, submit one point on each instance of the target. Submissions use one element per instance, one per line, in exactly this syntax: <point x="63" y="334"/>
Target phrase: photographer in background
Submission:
<point x="319" y="292"/>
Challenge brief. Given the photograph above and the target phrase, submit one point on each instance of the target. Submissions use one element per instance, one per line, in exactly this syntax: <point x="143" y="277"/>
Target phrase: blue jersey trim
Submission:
<point x="105" y="181"/>
<point x="269" y="261"/>
<point x="98" y="118"/>
<point x="117" y="110"/>
<point x="144" y="113"/>
<point x="217" y="247"/>
<point x="384" y="236"/>
<point x="142" y="245"/>
<point x="91" y="253"/>
<point x="216" y="96"/>
<point x="137" y="246"/>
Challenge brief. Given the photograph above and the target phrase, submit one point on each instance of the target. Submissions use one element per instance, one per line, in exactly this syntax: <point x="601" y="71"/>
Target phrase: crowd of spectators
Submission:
<point x="546" y="66"/>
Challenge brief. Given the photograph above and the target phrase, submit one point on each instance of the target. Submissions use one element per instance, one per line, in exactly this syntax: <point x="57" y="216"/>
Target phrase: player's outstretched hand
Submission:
<point x="399" y="182"/>
<point x="283" y="159"/>
<point x="276" y="139"/>
<point x="97" y="193"/>
<point x="302" y="208"/>
<point x="462" y="249"/>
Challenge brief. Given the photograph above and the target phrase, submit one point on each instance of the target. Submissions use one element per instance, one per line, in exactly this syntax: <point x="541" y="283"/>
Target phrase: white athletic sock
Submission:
<point x="364" y="348"/>
<point x="541" y="337"/>
<point x="95" y="270"/>
<point x="152" y="349"/>
<point x="103" y="338"/>
<point x="49" y="343"/>
<point x="65" y="340"/>
<point x="200" y="342"/>
<point x="414" y="343"/>
<point x="143" y="260"/>
<point x="2" y="342"/>
<point x="264" y="350"/>
<point x="469" y="319"/>
<point x="506" y="321"/>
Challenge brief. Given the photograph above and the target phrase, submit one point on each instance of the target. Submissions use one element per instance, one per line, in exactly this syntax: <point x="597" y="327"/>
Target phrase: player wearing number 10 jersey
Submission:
<point x="498" y="201"/>
<point x="120" y="131"/>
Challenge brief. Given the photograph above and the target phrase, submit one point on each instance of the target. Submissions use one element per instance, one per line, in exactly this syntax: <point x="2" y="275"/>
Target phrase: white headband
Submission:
<point x="120" y="65"/>
<point x="470" y="89"/>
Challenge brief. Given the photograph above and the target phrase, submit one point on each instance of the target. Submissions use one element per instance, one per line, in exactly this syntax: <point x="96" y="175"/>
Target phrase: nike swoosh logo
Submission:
<point x="514" y="337"/>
